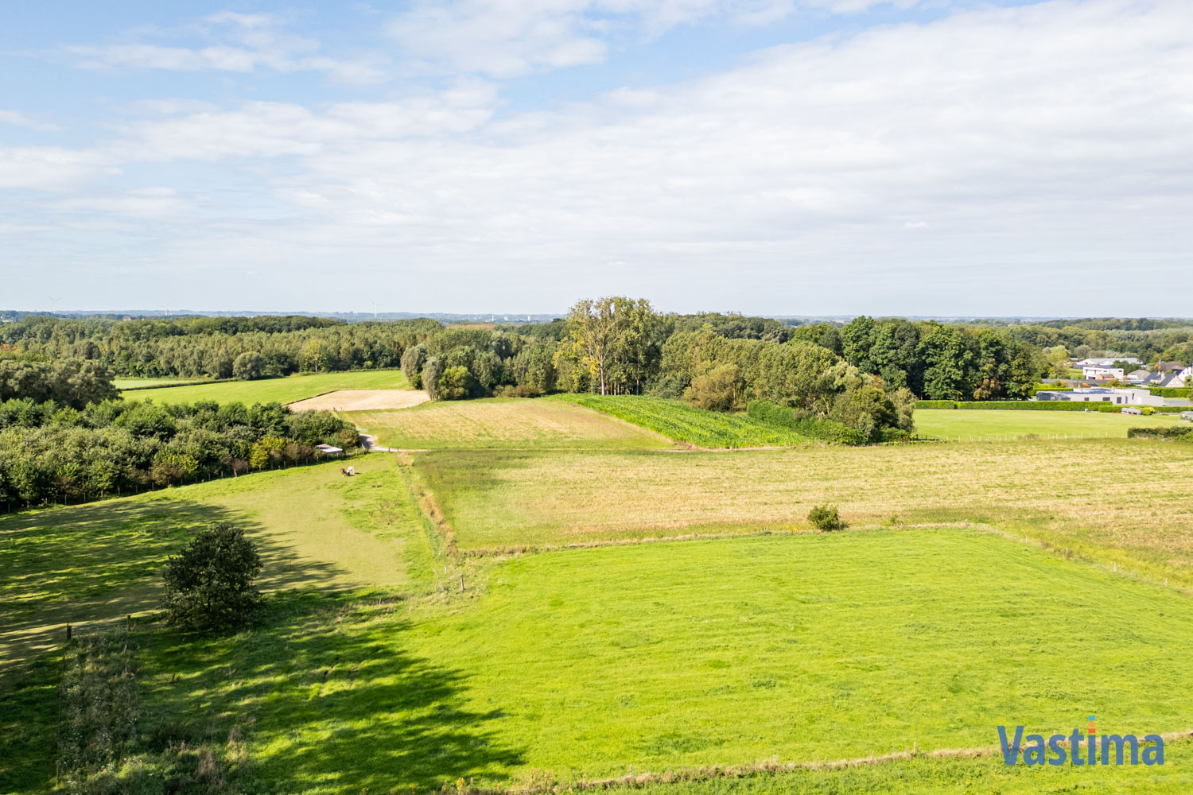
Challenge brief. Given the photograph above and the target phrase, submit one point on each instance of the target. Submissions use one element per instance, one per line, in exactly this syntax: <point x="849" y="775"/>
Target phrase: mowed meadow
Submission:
<point x="1125" y="500"/>
<point x="269" y="390"/>
<point x="969" y="426"/>
<point x="427" y="623"/>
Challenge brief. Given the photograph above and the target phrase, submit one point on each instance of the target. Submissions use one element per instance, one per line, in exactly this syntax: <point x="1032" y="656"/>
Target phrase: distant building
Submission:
<point x="329" y="451"/>
<point x="1080" y="365"/>
<point x="1138" y="376"/>
<point x="1170" y="367"/>
<point x="1099" y="372"/>
<point x="1119" y="397"/>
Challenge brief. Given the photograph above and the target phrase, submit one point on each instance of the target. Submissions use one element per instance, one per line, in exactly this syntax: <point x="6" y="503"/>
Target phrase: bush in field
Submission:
<point x="716" y="390"/>
<point x="826" y="518"/>
<point x="210" y="585"/>
<point x="455" y="384"/>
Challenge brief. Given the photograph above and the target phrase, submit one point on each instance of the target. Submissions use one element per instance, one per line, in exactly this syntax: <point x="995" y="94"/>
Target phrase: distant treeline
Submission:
<point x="57" y="453"/>
<point x="936" y="361"/>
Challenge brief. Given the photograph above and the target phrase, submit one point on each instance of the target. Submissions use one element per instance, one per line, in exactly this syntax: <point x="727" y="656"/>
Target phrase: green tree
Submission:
<point x="455" y="384"/>
<point x="210" y="586"/>
<point x="719" y="389"/>
<point x="248" y="366"/>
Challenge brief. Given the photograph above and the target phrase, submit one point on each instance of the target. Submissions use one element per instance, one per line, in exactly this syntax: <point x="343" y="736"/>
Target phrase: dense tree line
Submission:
<point x="57" y="453"/>
<point x="721" y="373"/>
<point x="941" y="362"/>
<point x="259" y="347"/>
<point x="69" y="382"/>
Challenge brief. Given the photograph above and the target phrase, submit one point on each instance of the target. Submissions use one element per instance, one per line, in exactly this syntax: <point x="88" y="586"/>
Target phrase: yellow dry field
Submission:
<point x="503" y="423"/>
<point x="1124" y="494"/>
<point x="363" y="400"/>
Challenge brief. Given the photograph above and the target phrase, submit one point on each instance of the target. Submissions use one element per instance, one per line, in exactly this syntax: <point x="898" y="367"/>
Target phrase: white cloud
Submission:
<point x="140" y="203"/>
<point x="239" y="43"/>
<point x="17" y="119"/>
<point x="48" y="167"/>
<point x="507" y="38"/>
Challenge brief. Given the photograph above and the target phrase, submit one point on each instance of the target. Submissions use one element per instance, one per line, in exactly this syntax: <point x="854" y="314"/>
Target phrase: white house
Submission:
<point x="1095" y="371"/>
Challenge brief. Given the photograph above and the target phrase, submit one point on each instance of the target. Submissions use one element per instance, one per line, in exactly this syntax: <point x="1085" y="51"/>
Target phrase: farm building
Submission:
<point x="1122" y="397"/>
<point x="329" y="451"/>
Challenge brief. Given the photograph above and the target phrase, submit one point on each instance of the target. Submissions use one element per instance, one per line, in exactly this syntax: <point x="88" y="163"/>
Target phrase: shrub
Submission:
<point x="455" y="384"/>
<point x="1174" y="432"/>
<point x="826" y="517"/>
<point x="210" y="585"/>
<point x="716" y="390"/>
<point x="829" y="431"/>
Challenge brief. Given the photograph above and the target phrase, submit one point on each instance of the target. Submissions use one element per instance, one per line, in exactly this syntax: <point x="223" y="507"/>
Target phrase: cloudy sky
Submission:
<point x="768" y="156"/>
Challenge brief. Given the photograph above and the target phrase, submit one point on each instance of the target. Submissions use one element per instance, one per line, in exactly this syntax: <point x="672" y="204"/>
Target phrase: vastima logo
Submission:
<point x="1113" y="747"/>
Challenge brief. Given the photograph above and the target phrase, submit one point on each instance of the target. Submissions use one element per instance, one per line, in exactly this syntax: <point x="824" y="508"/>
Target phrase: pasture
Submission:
<point x="582" y="664"/>
<point x="983" y="425"/>
<point x="681" y="422"/>
<point x="925" y="625"/>
<point x="270" y="390"/>
<point x="1060" y="489"/>
<point x="502" y="423"/>
<point x="103" y="560"/>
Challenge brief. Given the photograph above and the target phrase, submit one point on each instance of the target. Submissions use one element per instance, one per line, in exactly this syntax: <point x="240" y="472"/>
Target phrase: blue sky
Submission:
<point x="926" y="157"/>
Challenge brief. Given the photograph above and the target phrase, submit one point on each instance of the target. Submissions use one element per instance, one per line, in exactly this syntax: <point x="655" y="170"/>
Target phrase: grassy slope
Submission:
<point x="665" y="656"/>
<point x="683" y="423"/>
<point x="281" y="390"/>
<point x="103" y="560"/>
<point x="501" y="423"/>
<point x="967" y="425"/>
<point x="501" y="499"/>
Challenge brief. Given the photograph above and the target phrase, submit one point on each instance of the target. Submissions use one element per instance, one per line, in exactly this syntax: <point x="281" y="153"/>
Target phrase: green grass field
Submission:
<point x="980" y="425"/>
<point x="280" y="390"/>
<point x="373" y="673"/>
<point x="103" y="560"/>
<point x="502" y="423"/>
<point x="681" y="422"/>
<point x="666" y="657"/>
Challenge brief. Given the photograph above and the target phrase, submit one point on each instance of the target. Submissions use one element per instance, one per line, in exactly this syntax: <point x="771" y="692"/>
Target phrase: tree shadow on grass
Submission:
<point x="97" y="563"/>
<point x="329" y="701"/>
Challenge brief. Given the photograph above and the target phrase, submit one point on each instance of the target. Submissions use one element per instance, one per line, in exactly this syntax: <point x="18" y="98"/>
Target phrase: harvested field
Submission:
<point x="513" y="423"/>
<point x="363" y="400"/>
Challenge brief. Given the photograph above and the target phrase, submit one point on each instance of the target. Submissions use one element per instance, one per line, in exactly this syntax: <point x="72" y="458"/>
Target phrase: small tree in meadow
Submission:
<point x="210" y="585"/>
<point x="826" y="517"/>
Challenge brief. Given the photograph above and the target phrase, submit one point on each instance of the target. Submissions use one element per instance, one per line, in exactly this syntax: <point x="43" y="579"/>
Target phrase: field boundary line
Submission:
<point x="768" y="768"/>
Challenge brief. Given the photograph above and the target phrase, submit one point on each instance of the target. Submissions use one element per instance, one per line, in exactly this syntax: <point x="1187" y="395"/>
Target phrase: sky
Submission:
<point x="779" y="157"/>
